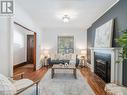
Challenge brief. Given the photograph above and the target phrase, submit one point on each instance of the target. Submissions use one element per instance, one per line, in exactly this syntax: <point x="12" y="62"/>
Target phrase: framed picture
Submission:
<point x="65" y="44"/>
<point x="104" y="34"/>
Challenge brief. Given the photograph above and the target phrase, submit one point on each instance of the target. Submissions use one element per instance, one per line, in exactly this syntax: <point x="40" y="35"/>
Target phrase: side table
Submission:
<point x="45" y="61"/>
<point x="82" y="62"/>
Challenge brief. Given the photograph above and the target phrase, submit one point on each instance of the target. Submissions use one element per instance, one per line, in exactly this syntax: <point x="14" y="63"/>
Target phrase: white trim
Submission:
<point x="104" y="12"/>
<point x="96" y="48"/>
<point x="111" y="6"/>
<point x="11" y="46"/>
<point x="89" y="65"/>
<point x="107" y="10"/>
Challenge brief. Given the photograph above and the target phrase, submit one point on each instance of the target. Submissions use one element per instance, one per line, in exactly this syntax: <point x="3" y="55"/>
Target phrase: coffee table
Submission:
<point x="58" y="66"/>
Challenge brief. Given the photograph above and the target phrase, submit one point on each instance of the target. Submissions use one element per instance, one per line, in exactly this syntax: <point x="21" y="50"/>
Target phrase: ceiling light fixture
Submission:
<point x="66" y="18"/>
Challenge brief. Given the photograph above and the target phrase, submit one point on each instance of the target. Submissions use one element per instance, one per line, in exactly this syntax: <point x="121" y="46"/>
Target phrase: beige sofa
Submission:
<point x="63" y="56"/>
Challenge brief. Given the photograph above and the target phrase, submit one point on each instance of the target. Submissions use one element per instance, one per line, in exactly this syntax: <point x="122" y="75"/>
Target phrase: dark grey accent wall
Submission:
<point x="90" y="37"/>
<point x="119" y="14"/>
<point x="90" y="43"/>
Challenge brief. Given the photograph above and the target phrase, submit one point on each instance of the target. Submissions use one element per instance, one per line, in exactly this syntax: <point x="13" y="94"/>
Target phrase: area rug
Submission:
<point x="64" y="83"/>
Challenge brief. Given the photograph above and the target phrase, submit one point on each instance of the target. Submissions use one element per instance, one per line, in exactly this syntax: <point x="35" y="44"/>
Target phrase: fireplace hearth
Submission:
<point x="102" y="66"/>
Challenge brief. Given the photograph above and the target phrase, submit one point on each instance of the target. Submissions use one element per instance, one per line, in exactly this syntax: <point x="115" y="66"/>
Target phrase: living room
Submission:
<point x="78" y="47"/>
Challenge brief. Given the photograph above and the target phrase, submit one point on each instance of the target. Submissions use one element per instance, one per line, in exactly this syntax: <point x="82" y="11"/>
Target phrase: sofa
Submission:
<point x="63" y="58"/>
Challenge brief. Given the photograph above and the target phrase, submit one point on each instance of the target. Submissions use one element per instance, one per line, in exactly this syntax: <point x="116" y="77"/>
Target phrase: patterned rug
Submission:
<point x="64" y="83"/>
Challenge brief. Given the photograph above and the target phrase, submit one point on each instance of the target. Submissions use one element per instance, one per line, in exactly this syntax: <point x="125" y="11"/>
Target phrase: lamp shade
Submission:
<point x="46" y="52"/>
<point x="83" y="52"/>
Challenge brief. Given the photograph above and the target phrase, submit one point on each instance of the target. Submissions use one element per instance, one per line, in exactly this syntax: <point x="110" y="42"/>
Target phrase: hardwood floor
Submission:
<point x="30" y="73"/>
<point x="94" y="81"/>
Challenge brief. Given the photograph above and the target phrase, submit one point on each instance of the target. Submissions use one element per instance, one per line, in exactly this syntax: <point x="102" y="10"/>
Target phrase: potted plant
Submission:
<point x="122" y="41"/>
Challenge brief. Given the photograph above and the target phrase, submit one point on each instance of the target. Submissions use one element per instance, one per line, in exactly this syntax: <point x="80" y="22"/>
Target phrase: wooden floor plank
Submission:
<point x="96" y="83"/>
<point x="30" y="73"/>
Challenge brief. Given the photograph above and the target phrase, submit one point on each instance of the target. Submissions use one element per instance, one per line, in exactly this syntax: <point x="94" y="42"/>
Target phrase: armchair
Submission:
<point x="18" y="87"/>
<point x="115" y="89"/>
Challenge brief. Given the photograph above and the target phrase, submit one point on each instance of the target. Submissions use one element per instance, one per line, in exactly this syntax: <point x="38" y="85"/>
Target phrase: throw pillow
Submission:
<point x="6" y="87"/>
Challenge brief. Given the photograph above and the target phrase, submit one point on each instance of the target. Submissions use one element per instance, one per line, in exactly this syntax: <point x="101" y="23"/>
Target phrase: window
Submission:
<point x="65" y="44"/>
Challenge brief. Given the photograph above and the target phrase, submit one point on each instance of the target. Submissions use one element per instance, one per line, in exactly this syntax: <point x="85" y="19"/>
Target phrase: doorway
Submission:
<point x="31" y="49"/>
<point x="24" y="47"/>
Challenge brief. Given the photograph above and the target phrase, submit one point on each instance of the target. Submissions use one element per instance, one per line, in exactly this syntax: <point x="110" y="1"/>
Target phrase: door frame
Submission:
<point x="35" y="42"/>
<point x="34" y="59"/>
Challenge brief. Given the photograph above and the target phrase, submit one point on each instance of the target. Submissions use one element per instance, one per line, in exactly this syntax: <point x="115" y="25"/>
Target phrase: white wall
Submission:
<point x="23" y="18"/>
<point x="20" y="44"/>
<point x="6" y="39"/>
<point x="5" y="46"/>
<point x="49" y="38"/>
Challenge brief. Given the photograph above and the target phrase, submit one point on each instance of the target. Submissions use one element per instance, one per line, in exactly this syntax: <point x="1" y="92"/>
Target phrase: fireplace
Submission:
<point x="125" y="72"/>
<point x="111" y="54"/>
<point x="103" y="66"/>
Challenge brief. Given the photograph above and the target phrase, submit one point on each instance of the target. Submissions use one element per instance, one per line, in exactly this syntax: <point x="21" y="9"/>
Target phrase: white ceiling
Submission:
<point x="47" y="13"/>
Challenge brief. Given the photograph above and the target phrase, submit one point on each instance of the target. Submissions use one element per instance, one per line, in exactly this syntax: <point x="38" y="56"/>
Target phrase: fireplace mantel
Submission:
<point x="116" y="69"/>
<point x="97" y="48"/>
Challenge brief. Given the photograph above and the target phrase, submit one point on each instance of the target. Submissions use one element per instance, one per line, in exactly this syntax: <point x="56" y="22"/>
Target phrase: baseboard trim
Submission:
<point x="88" y="65"/>
<point x="19" y="65"/>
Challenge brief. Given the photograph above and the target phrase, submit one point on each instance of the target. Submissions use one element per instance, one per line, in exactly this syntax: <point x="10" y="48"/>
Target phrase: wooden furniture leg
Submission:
<point x="74" y="72"/>
<point x="52" y="73"/>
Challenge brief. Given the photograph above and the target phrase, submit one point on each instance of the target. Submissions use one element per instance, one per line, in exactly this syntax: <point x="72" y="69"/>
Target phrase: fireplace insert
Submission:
<point x="103" y="66"/>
